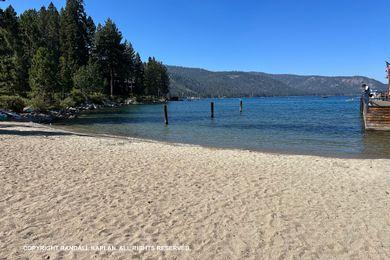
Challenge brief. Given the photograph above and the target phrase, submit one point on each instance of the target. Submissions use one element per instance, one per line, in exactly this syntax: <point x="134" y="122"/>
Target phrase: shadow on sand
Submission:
<point x="5" y="131"/>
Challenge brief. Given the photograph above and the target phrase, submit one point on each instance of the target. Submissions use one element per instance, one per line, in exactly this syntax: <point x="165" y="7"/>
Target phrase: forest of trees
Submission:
<point x="187" y="82"/>
<point x="53" y="59"/>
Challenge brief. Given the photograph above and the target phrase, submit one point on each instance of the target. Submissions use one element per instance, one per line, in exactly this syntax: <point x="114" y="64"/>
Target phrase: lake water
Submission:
<point x="303" y="125"/>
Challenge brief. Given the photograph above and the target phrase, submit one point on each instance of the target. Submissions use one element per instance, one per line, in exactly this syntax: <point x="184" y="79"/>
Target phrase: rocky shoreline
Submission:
<point x="55" y="115"/>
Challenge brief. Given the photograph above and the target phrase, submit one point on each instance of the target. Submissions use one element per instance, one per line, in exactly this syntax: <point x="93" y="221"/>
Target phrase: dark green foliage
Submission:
<point x="43" y="76"/>
<point x="67" y="103"/>
<point x="14" y="103"/>
<point x="139" y="74"/>
<point x="75" y="40"/>
<point x="8" y="78"/>
<point x="108" y="51"/>
<point x="30" y="33"/>
<point x="88" y="79"/>
<point x="9" y="52"/>
<point x="156" y="78"/>
<point x="50" y="29"/>
<point x="74" y="34"/>
<point x="10" y="27"/>
<point x="62" y="59"/>
<point x="90" y="33"/>
<point x="65" y="76"/>
<point x="30" y="37"/>
<point x="97" y="98"/>
<point x="125" y="75"/>
<point x="39" y="104"/>
<point x="77" y="96"/>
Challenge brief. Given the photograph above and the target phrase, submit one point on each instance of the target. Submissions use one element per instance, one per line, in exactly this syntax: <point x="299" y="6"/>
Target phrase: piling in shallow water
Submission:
<point x="166" y="114"/>
<point x="212" y="109"/>
<point x="240" y="105"/>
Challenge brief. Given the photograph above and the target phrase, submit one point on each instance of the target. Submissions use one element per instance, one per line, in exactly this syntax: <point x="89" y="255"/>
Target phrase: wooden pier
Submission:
<point x="375" y="107"/>
<point x="376" y="112"/>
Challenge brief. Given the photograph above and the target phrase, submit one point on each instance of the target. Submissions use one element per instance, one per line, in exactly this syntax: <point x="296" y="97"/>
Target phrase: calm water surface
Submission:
<point x="304" y="125"/>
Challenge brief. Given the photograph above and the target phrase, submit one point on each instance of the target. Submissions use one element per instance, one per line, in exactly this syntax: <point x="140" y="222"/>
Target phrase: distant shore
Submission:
<point x="61" y="188"/>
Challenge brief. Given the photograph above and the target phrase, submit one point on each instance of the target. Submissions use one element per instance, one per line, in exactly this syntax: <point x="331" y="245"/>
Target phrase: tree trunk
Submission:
<point x="111" y="83"/>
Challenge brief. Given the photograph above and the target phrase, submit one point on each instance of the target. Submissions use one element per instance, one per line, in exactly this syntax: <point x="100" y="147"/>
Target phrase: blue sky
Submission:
<point x="344" y="37"/>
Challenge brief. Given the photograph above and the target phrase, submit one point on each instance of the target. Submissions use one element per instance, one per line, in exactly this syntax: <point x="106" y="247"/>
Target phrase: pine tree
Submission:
<point x="10" y="26"/>
<point x="8" y="75"/>
<point x="90" y="33"/>
<point x="73" y="41"/>
<point x="44" y="53"/>
<point x="139" y="88"/>
<point x="126" y="69"/>
<point x="164" y="83"/>
<point x="49" y="30"/>
<point x="52" y="30"/>
<point x="10" y="51"/>
<point x="65" y="76"/>
<point x="43" y="77"/>
<point x="108" y="50"/>
<point x="151" y="77"/>
<point x="30" y="38"/>
<point x="156" y="78"/>
<point x="88" y="79"/>
<point x="42" y="26"/>
<point x="30" y="34"/>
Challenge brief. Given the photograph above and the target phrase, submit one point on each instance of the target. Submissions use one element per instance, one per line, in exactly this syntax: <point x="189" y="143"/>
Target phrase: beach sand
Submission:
<point x="65" y="189"/>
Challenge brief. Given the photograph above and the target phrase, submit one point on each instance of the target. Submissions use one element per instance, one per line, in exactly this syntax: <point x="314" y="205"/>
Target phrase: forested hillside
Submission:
<point x="204" y="83"/>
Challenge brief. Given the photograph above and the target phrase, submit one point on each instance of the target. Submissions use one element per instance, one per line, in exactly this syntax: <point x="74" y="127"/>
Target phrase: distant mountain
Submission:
<point x="203" y="83"/>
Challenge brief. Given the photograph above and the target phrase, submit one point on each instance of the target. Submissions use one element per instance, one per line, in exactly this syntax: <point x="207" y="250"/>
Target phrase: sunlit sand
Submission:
<point x="60" y="188"/>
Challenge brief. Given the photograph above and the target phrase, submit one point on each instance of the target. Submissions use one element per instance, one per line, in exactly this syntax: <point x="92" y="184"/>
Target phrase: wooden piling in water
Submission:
<point x="240" y="105"/>
<point x="212" y="109"/>
<point x="166" y="114"/>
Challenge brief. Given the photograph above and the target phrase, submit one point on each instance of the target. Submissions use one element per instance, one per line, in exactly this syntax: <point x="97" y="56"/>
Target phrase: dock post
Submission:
<point x="240" y="105"/>
<point x="166" y="114"/>
<point x="212" y="109"/>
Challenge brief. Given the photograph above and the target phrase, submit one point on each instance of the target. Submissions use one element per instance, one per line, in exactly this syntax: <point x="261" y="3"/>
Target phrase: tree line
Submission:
<point x="59" y="58"/>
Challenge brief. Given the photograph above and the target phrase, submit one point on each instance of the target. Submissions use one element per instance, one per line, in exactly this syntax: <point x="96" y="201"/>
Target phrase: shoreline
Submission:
<point x="61" y="115"/>
<point x="62" y="188"/>
<point x="266" y="151"/>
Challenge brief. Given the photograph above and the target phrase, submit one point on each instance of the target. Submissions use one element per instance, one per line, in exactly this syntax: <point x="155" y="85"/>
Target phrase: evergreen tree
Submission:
<point x="88" y="79"/>
<point x="65" y="76"/>
<point x="42" y="22"/>
<point x="90" y="32"/>
<point x="8" y="75"/>
<point x="73" y="39"/>
<point x="156" y="79"/>
<point x="164" y="83"/>
<point x="43" y="77"/>
<point x="108" y="50"/>
<point x="30" y="38"/>
<point x="151" y="79"/>
<point x="10" y="51"/>
<point x="139" y="88"/>
<point x="126" y="69"/>
<point x="30" y="34"/>
<point x="44" y="53"/>
<point x="49" y="30"/>
<point x="10" y="27"/>
<point x="52" y="30"/>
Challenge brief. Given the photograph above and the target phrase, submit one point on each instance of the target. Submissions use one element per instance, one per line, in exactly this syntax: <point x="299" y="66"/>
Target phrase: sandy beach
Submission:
<point x="65" y="189"/>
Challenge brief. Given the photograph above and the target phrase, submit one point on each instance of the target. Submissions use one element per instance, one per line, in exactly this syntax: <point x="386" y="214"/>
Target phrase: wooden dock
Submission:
<point x="376" y="113"/>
